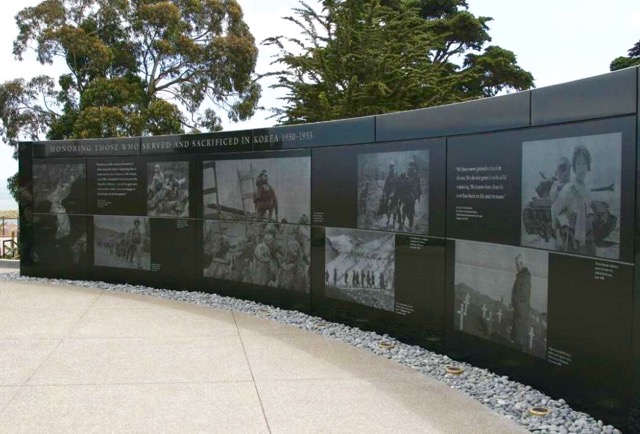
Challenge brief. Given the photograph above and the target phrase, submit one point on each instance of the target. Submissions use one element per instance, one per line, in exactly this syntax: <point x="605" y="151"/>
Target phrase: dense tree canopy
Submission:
<point x="135" y="67"/>
<point x="624" y="62"/>
<point x="364" y="57"/>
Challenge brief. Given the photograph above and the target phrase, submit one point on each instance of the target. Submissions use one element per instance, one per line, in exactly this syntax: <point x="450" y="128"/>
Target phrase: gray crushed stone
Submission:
<point x="504" y="396"/>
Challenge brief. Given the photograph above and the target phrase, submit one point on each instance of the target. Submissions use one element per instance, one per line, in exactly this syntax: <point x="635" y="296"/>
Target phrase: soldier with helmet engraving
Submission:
<point x="571" y="212"/>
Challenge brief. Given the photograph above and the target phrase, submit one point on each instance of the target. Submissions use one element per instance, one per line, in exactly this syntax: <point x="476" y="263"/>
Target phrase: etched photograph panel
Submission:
<point x="59" y="188"/>
<point x="571" y="191"/>
<point x="259" y="189"/>
<point x="393" y="191"/>
<point x="59" y="239"/>
<point x="501" y="295"/>
<point x="266" y="254"/>
<point x="360" y="267"/>
<point x="122" y="242"/>
<point x="168" y="189"/>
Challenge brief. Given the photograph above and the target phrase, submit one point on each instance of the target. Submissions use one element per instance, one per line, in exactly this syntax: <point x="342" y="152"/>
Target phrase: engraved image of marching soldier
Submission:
<point x="122" y="242"/>
<point x="265" y="254"/>
<point x="168" y="189"/>
<point x="500" y="294"/>
<point x="260" y="189"/>
<point x="393" y="189"/>
<point x="571" y="195"/>
<point x="360" y="267"/>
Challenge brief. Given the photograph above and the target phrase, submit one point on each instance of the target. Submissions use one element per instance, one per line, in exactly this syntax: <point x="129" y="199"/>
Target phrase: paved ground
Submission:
<point x="83" y="360"/>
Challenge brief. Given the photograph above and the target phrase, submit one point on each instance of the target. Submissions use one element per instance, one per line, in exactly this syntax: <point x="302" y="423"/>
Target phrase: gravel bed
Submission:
<point x="506" y="397"/>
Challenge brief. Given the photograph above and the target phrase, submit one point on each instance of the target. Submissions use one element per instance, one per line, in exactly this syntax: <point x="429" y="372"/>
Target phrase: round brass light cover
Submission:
<point x="386" y="345"/>
<point x="539" y="411"/>
<point x="454" y="370"/>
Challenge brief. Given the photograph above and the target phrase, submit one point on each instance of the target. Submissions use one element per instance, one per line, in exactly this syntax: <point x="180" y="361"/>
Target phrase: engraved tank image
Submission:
<point x="536" y="215"/>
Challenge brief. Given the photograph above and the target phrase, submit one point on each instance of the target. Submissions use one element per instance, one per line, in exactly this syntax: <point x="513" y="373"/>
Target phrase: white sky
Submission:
<point x="556" y="40"/>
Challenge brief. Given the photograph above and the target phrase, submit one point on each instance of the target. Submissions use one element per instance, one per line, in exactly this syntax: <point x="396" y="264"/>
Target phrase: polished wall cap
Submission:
<point x="607" y="95"/>
<point x="482" y="115"/>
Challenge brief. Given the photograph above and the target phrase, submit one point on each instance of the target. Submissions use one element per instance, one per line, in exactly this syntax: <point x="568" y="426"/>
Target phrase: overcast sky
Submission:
<point x="556" y="40"/>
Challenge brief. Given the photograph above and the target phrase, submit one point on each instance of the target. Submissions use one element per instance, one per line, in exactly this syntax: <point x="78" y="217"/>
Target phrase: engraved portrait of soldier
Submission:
<point x="571" y="192"/>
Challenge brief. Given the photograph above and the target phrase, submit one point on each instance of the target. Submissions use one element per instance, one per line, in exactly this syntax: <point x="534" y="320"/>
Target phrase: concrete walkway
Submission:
<point x="85" y="360"/>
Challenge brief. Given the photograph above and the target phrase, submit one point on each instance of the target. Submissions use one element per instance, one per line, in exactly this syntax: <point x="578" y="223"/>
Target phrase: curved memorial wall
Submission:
<point x="500" y="231"/>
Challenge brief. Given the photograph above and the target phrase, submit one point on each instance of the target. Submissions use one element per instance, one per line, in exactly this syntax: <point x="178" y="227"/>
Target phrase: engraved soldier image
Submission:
<point x="168" y="189"/>
<point x="264" y="268"/>
<point x="259" y="189"/>
<point x="571" y="195"/>
<point x="520" y="300"/>
<point x="260" y="253"/>
<point x="293" y="271"/>
<point x="157" y="182"/>
<point x="389" y="198"/>
<point x="363" y="266"/>
<point x="122" y="242"/>
<point x="561" y="178"/>
<point x="571" y="212"/>
<point x="364" y="195"/>
<point x="492" y="303"/>
<point x="134" y="240"/>
<point x="393" y="191"/>
<point x="265" y="198"/>
<point x="220" y="265"/>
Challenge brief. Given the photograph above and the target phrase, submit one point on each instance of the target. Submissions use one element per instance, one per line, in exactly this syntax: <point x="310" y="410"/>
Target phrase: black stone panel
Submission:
<point x="606" y="95"/>
<point x="489" y="114"/>
<point x="570" y="341"/>
<point x="87" y="148"/>
<point x="332" y="133"/>
<point x="173" y="253"/>
<point x="25" y="203"/>
<point x="395" y="186"/>
<point x="634" y="414"/>
<point x="117" y="185"/>
<point x="483" y="187"/>
<point x="590" y="325"/>
<point x="384" y="282"/>
<point x="161" y="252"/>
<point x="499" y="187"/>
<point x="58" y="248"/>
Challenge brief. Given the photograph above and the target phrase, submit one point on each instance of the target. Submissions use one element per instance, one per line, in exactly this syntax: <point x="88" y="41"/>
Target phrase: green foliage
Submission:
<point x="625" y="62"/>
<point x="13" y="187"/>
<point x="135" y="67"/>
<point x="365" y="57"/>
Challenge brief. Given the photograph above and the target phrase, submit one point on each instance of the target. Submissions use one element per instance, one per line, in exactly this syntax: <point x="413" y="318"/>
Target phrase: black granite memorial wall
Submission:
<point x="502" y="231"/>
